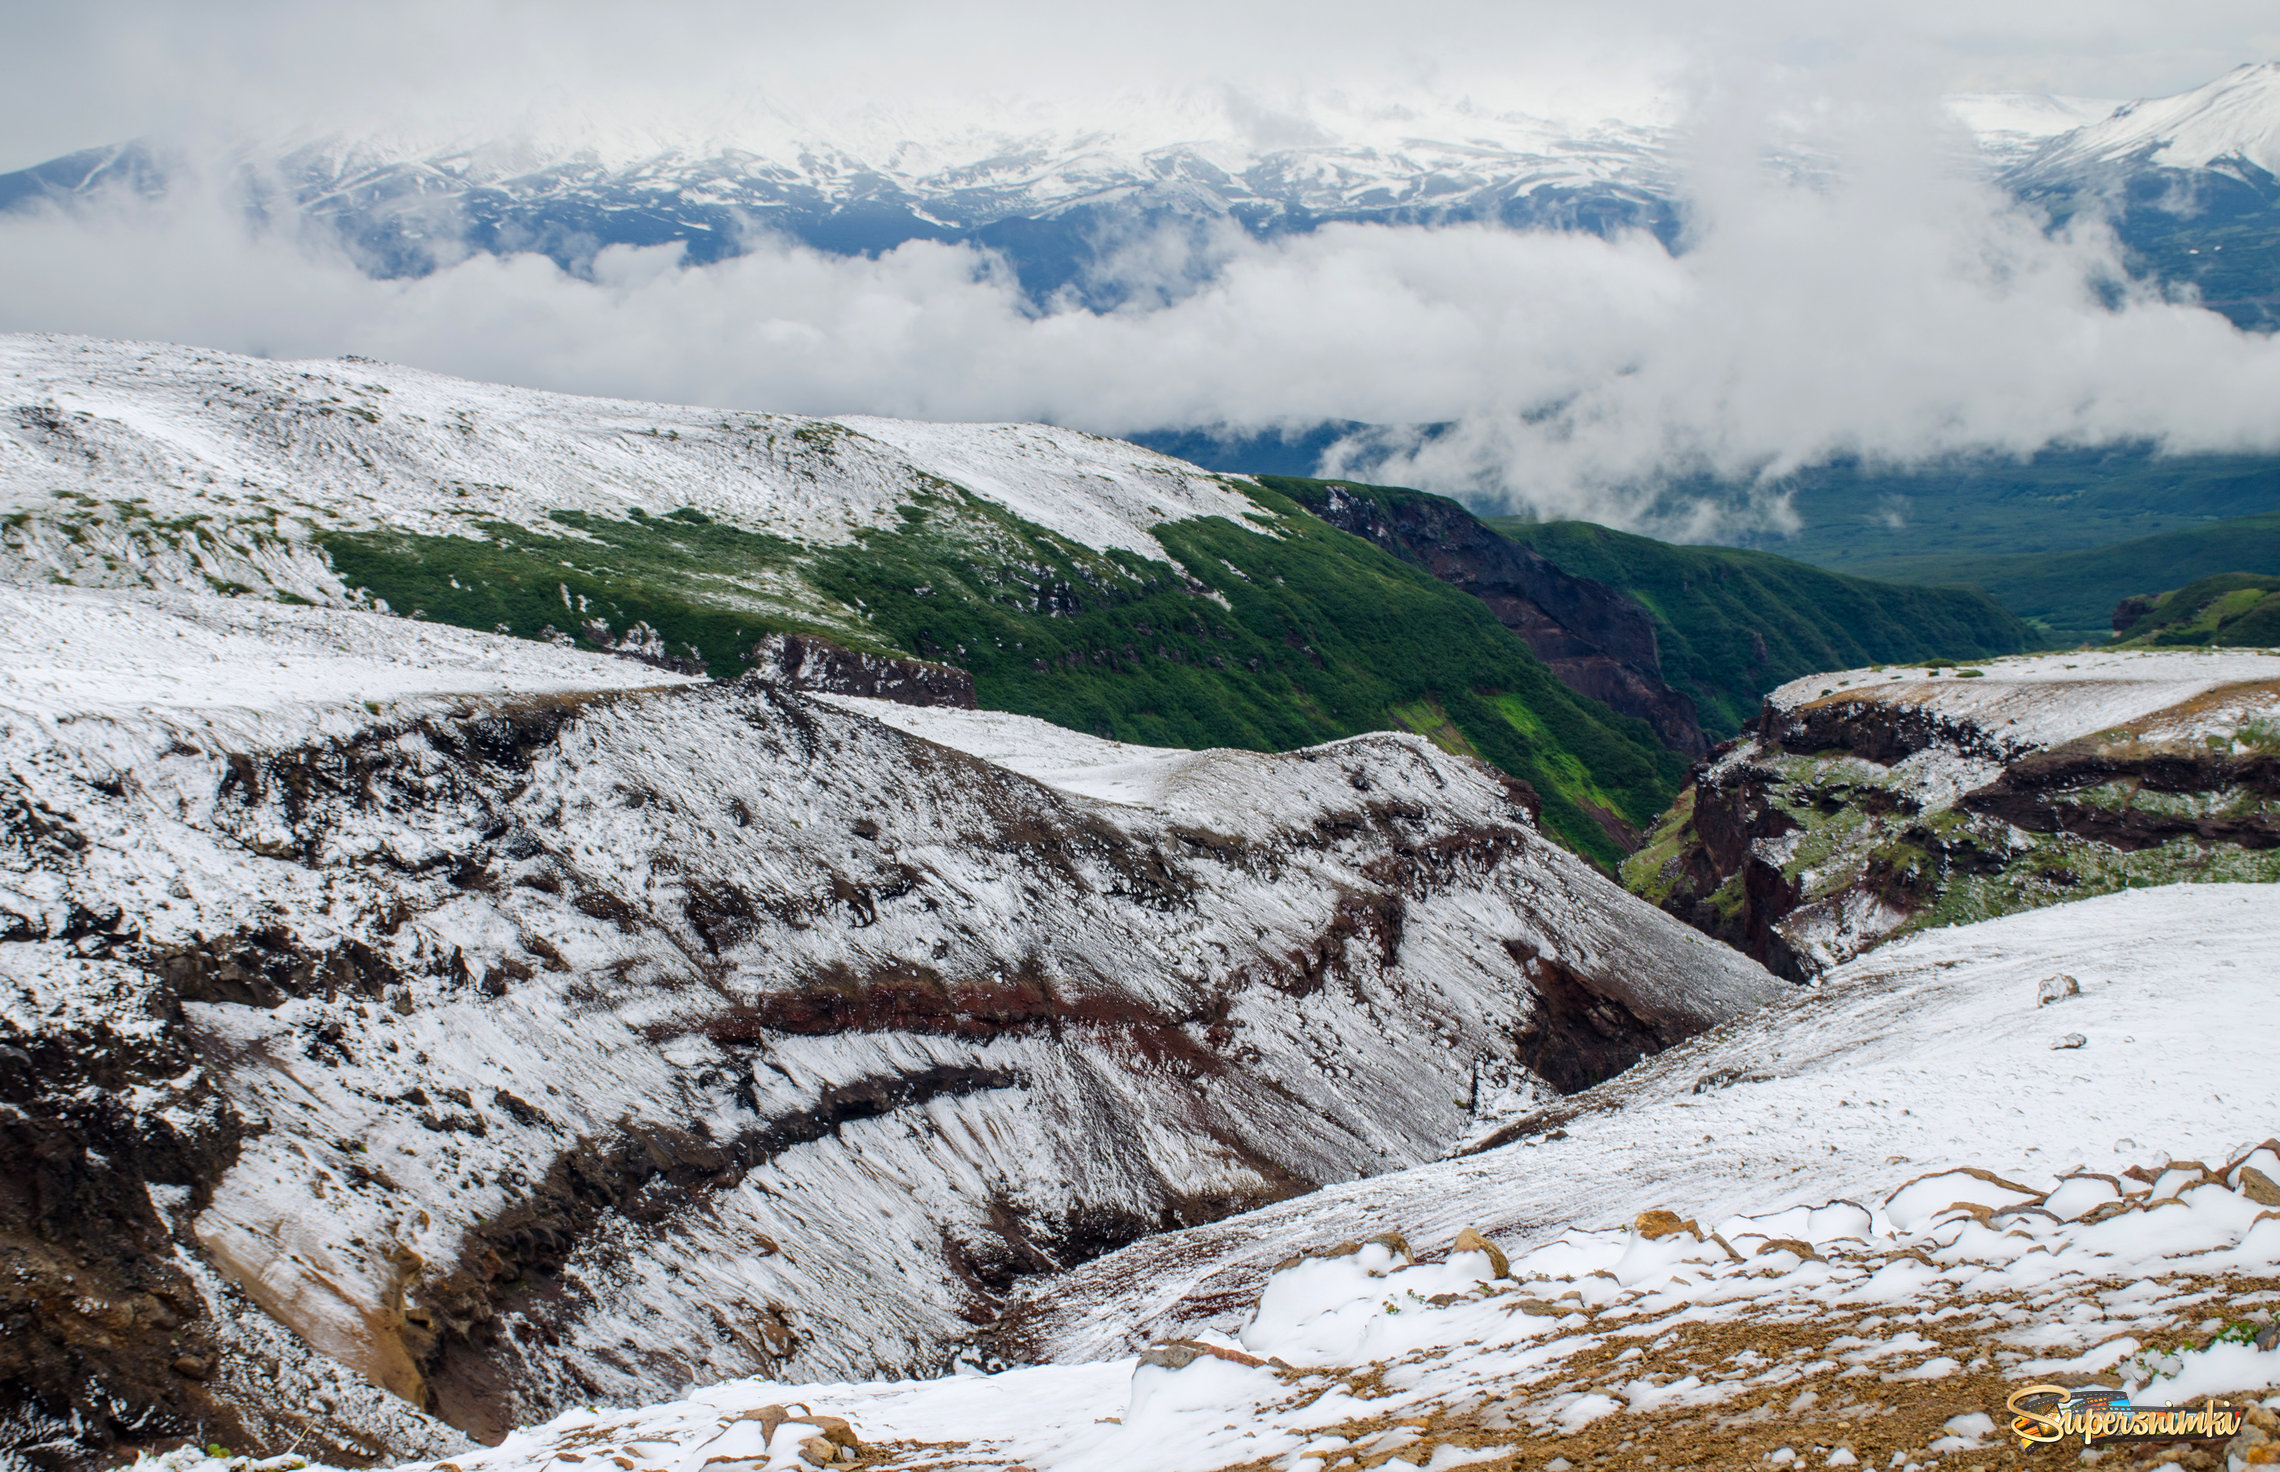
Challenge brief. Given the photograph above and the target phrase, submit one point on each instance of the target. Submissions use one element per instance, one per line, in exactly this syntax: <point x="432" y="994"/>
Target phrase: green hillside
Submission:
<point x="1268" y="636"/>
<point x="2233" y="608"/>
<point x="1733" y="624"/>
<point x="2071" y="595"/>
<point x="1862" y="519"/>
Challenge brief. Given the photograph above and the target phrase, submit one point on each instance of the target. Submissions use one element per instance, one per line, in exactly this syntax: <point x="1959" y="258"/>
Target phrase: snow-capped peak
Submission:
<point x="2232" y="120"/>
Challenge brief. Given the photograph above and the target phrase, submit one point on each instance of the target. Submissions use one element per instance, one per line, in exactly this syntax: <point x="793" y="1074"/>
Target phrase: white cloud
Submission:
<point x="1899" y="312"/>
<point x="98" y="71"/>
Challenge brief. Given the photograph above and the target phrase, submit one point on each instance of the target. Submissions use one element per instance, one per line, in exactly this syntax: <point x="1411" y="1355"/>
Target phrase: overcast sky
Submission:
<point x="1906" y="310"/>
<point x="102" y="70"/>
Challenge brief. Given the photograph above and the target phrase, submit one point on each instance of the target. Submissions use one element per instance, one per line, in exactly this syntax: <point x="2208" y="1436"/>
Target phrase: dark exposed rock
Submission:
<point x="1597" y="641"/>
<point x="1580" y="1033"/>
<point x="810" y="662"/>
<point x="1875" y="731"/>
<point x="100" y="1328"/>
<point x="2042" y="794"/>
<point x="263" y="968"/>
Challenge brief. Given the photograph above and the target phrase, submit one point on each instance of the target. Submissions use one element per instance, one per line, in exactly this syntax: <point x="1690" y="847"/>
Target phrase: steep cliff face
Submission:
<point x="503" y="1026"/>
<point x="1876" y="801"/>
<point x="1598" y="642"/>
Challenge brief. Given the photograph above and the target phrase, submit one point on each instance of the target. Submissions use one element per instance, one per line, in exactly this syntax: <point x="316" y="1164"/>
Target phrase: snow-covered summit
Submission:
<point x="2231" y="125"/>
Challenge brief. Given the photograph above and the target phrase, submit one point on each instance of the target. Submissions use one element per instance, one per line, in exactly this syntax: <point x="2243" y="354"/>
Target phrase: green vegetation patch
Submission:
<point x="1427" y="718"/>
<point x="2232" y="609"/>
<point x="701" y="584"/>
<point x="1267" y="638"/>
<point x="2058" y="867"/>
<point x="2072" y="596"/>
<point x="1855" y="834"/>
<point x="1654" y="871"/>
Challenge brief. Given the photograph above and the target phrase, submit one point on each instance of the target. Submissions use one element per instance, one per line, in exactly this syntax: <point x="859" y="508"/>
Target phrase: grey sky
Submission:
<point x="99" y="71"/>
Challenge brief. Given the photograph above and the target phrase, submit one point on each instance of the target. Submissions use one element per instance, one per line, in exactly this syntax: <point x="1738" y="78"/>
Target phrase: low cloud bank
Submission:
<point x="1895" y="311"/>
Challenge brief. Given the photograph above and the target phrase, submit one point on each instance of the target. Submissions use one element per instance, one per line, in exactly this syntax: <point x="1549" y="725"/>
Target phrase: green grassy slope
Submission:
<point x="1266" y="636"/>
<point x="2233" y="608"/>
<point x="1732" y="624"/>
<point x="2072" y="595"/>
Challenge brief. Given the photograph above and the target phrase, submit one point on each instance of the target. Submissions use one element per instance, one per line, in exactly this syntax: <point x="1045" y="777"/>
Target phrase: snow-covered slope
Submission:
<point x="1930" y="1053"/>
<point x="2023" y="702"/>
<point x="1841" y="1232"/>
<point x="146" y="464"/>
<point x="2009" y="126"/>
<point x="268" y="666"/>
<point x="2231" y="125"/>
<point x="1083" y="579"/>
<point x="462" y="1019"/>
<point x="274" y="446"/>
<point x="1871" y="801"/>
<point x="2190" y="184"/>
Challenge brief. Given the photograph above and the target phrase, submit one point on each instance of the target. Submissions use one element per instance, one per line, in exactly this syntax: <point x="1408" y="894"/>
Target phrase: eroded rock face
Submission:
<point x="1598" y="642"/>
<point x="512" y="1051"/>
<point x="1872" y="802"/>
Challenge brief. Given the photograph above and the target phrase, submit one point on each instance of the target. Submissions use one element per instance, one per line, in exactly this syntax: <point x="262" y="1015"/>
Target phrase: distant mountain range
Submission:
<point x="1057" y="200"/>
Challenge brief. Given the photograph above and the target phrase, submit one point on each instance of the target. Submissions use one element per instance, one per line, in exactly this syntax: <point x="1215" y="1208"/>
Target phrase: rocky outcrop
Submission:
<point x="1597" y="641"/>
<point x="2130" y="798"/>
<point x="1872" y="802"/>
<point x="450" y="1059"/>
<point x="811" y="662"/>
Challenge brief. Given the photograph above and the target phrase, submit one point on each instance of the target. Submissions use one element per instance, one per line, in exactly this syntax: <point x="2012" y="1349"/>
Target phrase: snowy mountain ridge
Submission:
<point x="1057" y="191"/>
<point x="479" y="1026"/>
<point x="184" y="431"/>
<point x="1211" y="156"/>
<point x="2231" y="125"/>
<point x="1088" y="581"/>
<point x="1052" y="187"/>
<point x="143" y="464"/>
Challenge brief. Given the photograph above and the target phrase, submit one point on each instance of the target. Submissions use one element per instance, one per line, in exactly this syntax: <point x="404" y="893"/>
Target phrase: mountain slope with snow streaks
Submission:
<point x="516" y="1027"/>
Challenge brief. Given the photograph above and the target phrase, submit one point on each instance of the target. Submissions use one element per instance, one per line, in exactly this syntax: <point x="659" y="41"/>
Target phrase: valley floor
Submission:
<point x="1839" y="1232"/>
